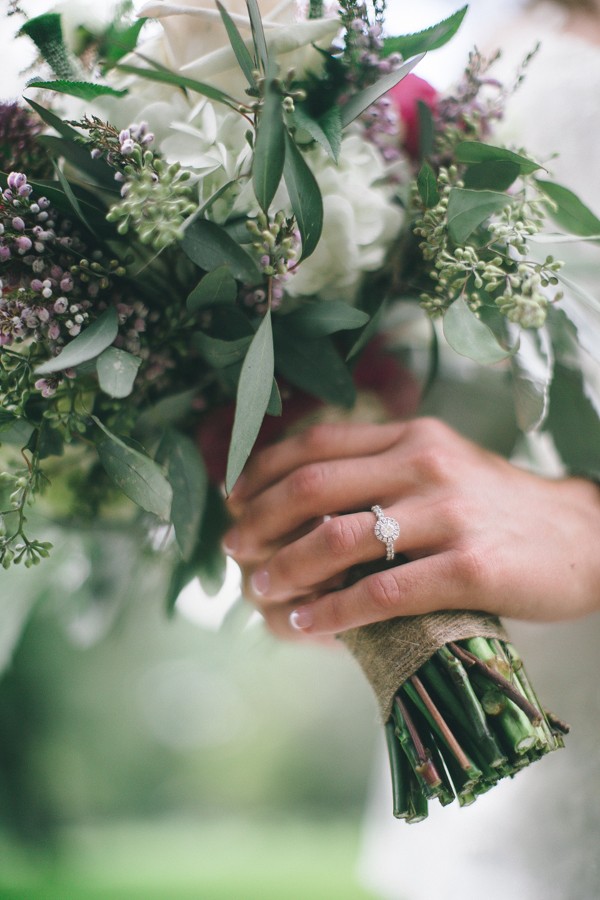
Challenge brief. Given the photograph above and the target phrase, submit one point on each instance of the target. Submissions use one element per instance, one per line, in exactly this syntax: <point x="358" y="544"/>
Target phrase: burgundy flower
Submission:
<point x="406" y="96"/>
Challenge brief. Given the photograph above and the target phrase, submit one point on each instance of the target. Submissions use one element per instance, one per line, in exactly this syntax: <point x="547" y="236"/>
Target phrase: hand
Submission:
<point x="478" y="532"/>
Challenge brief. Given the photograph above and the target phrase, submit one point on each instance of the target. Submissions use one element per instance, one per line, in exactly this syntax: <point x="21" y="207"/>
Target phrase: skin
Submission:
<point x="478" y="532"/>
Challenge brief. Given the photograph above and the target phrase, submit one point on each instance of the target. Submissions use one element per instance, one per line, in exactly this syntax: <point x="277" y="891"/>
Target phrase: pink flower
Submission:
<point x="406" y="96"/>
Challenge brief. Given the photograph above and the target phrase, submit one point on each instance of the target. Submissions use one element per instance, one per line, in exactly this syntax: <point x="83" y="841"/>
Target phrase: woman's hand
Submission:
<point x="478" y="532"/>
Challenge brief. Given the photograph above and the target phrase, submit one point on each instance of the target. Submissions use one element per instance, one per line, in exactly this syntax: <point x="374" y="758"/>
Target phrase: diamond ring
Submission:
<point x="386" y="530"/>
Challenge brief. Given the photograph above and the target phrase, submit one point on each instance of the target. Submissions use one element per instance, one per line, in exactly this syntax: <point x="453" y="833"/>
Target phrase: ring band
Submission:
<point x="386" y="530"/>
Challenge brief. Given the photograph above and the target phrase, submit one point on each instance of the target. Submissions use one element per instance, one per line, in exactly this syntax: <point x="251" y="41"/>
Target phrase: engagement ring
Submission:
<point x="386" y="530"/>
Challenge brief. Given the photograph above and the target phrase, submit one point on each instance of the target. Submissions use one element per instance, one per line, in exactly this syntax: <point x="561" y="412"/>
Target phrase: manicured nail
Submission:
<point x="260" y="582"/>
<point x="231" y="542"/>
<point x="238" y="487"/>
<point x="302" y="618"/>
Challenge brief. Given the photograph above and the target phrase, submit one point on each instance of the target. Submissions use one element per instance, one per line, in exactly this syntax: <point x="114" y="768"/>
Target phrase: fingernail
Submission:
<point x="302" y="618"/>
<point x="231" y="542"/>
<point x="260" y="582"/>
<point x="238" y="487"/>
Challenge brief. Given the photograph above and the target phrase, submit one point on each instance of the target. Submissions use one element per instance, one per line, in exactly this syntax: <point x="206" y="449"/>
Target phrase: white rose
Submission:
<point x="196" y="42"/>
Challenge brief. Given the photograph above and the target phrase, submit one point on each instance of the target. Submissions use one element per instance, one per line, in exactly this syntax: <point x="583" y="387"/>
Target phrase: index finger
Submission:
<point x="317" y="443"/>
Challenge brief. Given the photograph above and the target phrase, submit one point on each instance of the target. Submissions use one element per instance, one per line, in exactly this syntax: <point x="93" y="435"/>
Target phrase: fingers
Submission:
<point x="329" y="550"/>
<point x="317" y="444"/>
<point x="427" y="584"/>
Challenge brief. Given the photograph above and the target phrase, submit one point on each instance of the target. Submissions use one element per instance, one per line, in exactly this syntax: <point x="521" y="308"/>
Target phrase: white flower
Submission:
<point x="196" y="42"/>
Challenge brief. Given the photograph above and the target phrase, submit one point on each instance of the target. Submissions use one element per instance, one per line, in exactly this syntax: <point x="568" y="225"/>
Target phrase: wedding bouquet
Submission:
<point x="203" y="228"/>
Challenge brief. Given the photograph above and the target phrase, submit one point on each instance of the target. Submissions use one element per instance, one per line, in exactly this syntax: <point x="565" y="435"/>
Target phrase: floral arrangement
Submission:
<point x="203" y="228"/>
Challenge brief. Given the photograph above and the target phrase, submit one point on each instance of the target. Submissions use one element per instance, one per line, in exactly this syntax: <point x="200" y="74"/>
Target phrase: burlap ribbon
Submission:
<point x="390" y="652"/>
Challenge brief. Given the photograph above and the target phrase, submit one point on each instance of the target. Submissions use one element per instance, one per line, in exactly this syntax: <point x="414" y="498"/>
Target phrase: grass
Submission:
<point x="233" y="859"/>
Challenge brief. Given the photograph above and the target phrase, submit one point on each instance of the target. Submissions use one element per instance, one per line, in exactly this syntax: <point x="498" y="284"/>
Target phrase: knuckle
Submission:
<point x="471" y="568"/>
<point x="316" y="438"/>
<point x="342" y="536"/>
<point x="307" y="482"/>
<point x="435" y="464"/>
<point x="384" y="593"/>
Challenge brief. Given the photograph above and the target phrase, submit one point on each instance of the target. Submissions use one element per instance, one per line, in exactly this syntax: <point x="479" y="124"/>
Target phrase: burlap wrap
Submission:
<point x="389" y="652"/>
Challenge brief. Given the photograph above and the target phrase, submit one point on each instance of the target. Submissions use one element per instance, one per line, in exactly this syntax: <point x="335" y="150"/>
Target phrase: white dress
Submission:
<point x="536" y="837"/>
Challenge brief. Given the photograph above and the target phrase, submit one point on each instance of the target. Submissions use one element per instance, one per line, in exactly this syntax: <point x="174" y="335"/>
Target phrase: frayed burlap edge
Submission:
<point x="390" y="652"/>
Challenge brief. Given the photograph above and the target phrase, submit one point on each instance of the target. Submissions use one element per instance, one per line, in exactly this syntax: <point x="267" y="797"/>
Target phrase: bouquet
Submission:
<point x="203" y="228"/>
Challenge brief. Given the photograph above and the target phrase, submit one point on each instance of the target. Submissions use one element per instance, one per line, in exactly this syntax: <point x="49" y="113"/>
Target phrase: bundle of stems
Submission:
<point x="467" y="718"/>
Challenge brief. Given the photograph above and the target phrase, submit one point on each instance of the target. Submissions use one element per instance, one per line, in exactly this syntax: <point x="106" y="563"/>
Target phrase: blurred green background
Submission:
<point x="142" y="757"/>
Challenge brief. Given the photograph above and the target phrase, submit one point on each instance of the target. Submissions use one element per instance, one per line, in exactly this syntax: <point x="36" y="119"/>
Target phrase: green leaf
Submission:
<point x="170" y="410"/>
<point x="119" y="41"/>
<point x="430" y="39"/>
<point x="275" y="406"/>
<point x="427" y="185"/>
<point x="269" y="147"/>
<point x="117" y="370"/>
<point x="138" y="476"/>
<point x="570" y="213"/>
<point x="79" y="156"/>
<point x="573" y="423"/>
<point x="164" y="76"/>
<point x="87" y="345"/>
<point x="472" y="152"/>
<point x="426" y="130"/>
<point x="326" y="130"/>
<point x="217" y="287"/>
<point x="468" y="209"/>
<point x="238" y="46"/>
<point x="320" y="318"/>
<point x="358" y="103"/>
<point x="532" y="367"/>
<point x="369" y="331"/>
<point x="253" y="396"/>
<point x="220" y="353"/>
<point x="210" y="247"/>
<point x="471" y="337"/>
<point x="258" y="33"/>
<point x="305" y="197"/>
<point x="46" y="33"/>
<point x="495" y="175"/>
<point x="84" y="90"/>
<point x="53" y="120"/>
<point x="314" y="366"/>
<point x="75" y="205"/>
<point x="188" y="479"/>
<point x="14" y="431"/>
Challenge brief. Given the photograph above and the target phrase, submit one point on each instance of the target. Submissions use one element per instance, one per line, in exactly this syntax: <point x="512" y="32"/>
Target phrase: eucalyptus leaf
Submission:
<point x="358" y="103"/>
<point x="426" y="130"/>
<point x="246" y="63"/>
<point x="472" y="152"/>
<point x="217" y="287"/>
<point x="84" y="90"/>
<point x="569" y="212"/>
<point x="321" y="318"/>
<point x="138" y="476"/>
<point x="427" y="185"/>
<point x="258" y="33"/>
<point x="467" y="210"/>
<point x="75" y="205"/>
<point x="430" y="39"/>
<point x="17" y="432"/>
<point x="87" y="345"/>
<point x="164" y="76"/>
<point x="495" y="175"/>
<point x="315" y="366"/>
<point x="189" y="481"/>
<point x="532" y="367"/>
<point x="117" y="370"/>
<point x="573" y="423"/>
<point x="471" y="337"/>
<point x="275" y="406"/>
<point x="253" y="396"/>
<point x="269" y="148"/>
<point x="218" y="353"/>
<point x="305" y="197"/>
<point x="209" y="246"/>
<point x="368" y="332"/>
<point x="326" y="130"/>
